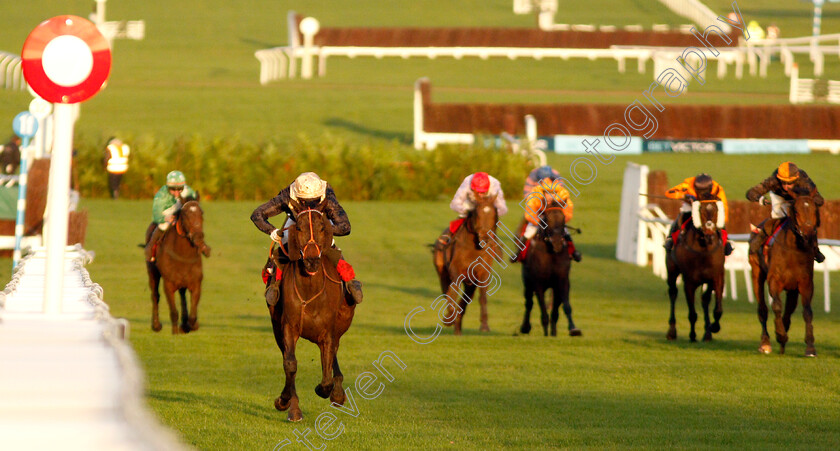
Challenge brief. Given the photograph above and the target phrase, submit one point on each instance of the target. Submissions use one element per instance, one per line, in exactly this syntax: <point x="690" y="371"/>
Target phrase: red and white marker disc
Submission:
<point x="66" y="59"/>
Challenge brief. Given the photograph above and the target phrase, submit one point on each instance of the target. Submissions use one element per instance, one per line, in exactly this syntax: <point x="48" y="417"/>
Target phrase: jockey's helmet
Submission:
<point x="175" y="179"/>
<point x="787" y="172"/>
<point x="545" y="172"/>
<point x="480" y="182"/>
<point x="308" y="186"/>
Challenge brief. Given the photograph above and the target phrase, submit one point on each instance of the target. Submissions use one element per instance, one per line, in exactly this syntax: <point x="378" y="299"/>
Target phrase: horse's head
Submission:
<point x="707" y="215"/>
<point x="554" y="233"/>
<point x="483" y="219"/>
<point x="191" y="219"/>
<point x="313" y="234"/>
<point x="804" y="214"/>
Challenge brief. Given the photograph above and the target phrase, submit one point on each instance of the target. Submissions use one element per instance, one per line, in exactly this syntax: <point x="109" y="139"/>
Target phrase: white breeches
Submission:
<point x="780" y="206"/>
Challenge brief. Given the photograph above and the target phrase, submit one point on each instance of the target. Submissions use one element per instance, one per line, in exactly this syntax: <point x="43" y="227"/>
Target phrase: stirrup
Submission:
<point x="576" y="255"/>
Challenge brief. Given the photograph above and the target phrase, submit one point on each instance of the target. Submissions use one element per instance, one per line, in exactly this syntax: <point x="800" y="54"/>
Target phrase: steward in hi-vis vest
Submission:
<point x="116" y="163"/>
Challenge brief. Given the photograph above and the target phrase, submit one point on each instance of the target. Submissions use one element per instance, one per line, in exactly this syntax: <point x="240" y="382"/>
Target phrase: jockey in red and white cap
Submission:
<point x="473" y="186"/>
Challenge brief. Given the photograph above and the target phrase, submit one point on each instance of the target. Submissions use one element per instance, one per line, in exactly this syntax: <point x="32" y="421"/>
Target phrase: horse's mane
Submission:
<point x="801" y="191"/>
<point x="193" y="196"/>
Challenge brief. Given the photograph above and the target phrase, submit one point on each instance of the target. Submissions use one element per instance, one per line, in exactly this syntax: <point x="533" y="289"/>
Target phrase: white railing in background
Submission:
<point x="802" y="89"/>
<point x="11" y="76"/>
<point x="696" y="12"/>
<point x="70" y="381"/>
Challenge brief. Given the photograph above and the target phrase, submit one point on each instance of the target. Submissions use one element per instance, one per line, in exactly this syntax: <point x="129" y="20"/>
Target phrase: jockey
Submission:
<point x="781" y="185"/>
<point x="538" y="198"/>
<point x="536" y="176"/>
<point x="168" y="200"/>
<point x="473" y="186"/>
<point x="690" y="190"/>
<point x="309" y="190"/>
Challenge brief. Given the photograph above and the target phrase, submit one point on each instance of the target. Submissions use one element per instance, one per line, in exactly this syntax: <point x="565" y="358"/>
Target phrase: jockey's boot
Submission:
<point x="818" y="256"/>
<point x="727" y="249"/>
<point x="443" y="240"/>
<point x="669" y="240"/>
<point x="520" y="256"/>
<point x="573" y="252"/>
<point x="153" y="240"/>
<point x="354" y="289"/>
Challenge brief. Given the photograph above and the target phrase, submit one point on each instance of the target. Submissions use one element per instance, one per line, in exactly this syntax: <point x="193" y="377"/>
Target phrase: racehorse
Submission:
<point x="788" y="266"/>
<point x="546" y="265"/>
<point x="313" y="305"/>
<point x="468" y="259"/>
<point x="178" y="262"/>
<point x="698" y="254"/>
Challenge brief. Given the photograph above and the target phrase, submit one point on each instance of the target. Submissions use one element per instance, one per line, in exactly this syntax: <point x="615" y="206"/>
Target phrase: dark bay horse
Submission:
<point x="178" y="262"/>
<point x="788" y="267"/>
<point x="313" y="305"/>
<point x="698" y="254"/>
<point x="547" y="265"/>
<point x="459" y="262"/>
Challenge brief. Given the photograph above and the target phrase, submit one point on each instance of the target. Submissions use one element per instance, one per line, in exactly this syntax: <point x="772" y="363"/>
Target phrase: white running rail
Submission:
<point x="695" y="11"/>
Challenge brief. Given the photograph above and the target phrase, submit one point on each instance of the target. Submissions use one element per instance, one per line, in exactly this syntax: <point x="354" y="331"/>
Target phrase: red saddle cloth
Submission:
<point x="455" y="225"/>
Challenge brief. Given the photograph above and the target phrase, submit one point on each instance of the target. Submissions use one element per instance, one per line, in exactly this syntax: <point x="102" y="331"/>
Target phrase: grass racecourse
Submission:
<point x="621" y="385"/>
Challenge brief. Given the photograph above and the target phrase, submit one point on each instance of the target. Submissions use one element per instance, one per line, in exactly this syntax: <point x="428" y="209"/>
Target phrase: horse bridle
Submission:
<point x="182" y="230"/>
<point x="311" y="233"/>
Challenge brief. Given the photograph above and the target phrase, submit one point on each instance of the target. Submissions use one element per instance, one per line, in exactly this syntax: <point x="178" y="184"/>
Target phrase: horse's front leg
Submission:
<point x="758" y="280"/>
<point x="337" y="396"/>
<point x="806" y="292"/>
<point x="672" y="296"/>
<point x="529" y="304"/>
<point x="543" y="309"/>
<point x="776" y="294"/>
<point x="706" y="299"/>
<point x="325" y="388"/>
<point x="464" y="301"/>
<point x="563" y="297"/>
<point x="195" y="296"/>
<point x="690" y="288"/>
<point x="482" y="300"/>
<point x="720" y="283"/>
<point x="154" y="286"/>
<point x="169" y="291"/>
<point x="288" y="399"/>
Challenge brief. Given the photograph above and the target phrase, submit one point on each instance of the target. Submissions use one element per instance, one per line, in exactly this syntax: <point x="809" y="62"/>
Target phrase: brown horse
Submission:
<point x="178" y="262"/>
<point x="698" y="254"/>
<point x="468" y="259"/>
<point x="547" y="264"/>
<point x="788" y="266"/>
<point x="313" y="305"/>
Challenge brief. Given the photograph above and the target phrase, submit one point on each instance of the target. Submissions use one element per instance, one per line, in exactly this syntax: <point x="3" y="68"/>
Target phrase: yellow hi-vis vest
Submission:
<point x="118" y="163"/>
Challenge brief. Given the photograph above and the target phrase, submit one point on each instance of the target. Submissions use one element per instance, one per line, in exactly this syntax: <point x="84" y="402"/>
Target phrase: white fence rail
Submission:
<point x="69" y="381"/>
<point x="695" y="11"/>
<point x="803" y="90"/>
<point x="11" y="74"/>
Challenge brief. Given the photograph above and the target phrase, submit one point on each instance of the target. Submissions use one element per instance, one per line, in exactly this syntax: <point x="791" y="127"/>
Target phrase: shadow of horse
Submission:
<point x="468" y="260"/>
<point x="313" y="305"/>
<point x="178" y="263"/>
<point x="698" y="255"/>
<point x="787" y="266"/>
<point x="546" y="266"/>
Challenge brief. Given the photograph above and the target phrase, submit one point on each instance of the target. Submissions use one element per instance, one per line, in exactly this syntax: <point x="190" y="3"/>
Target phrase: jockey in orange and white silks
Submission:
<point x="310" y="191"/>
<point x="689" y="191"/>
<point x="543" y="193"/>
<point x="537" y="175"/>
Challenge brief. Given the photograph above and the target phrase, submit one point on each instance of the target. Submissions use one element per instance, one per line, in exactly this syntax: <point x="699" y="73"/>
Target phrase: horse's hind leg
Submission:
<point x="482" y="302"/>
<point x="154" y="286"/>
<point x="466" y="298"/>
<point x="288" y="399"/>
<point x="529" y="304"/>
<point x="543" y="310"/>
<point x="781" y="335"/>
<point x="719" y="290"/>
<point x="325" y="388"/>
<point x="337" y="396"/>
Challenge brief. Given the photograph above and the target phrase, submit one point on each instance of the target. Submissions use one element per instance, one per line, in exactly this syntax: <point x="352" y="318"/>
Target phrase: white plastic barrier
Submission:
<point x="11" y="76"/>
<point x="69" y="381"/>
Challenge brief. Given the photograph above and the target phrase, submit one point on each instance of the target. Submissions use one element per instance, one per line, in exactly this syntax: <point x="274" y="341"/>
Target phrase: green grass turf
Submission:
<point x="619" y="386"/>
<point x="195" y="72"/>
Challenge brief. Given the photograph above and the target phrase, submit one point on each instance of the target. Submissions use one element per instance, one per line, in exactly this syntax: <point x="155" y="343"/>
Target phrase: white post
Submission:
<point x="419" y="138"/>
<point x="100" y="12"/>
<point x="57" y="211"/>
<point x="794" y="84"/>
<point x="309" y="27"/>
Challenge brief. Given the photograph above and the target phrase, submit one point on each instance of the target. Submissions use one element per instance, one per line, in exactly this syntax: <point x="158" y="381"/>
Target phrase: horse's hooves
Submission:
<point x="338" y="397"/>
<point x="295" y="415"/>
<point x="707" y="337"/>
<point x="782" y="349"/>
<point x="575" y="333"/>
<point x="810" y="353"/>
<point x="323" y="392"/>
<point x="714" y="328"/>
<point x="157" y="327"/>
<point x="765" y="349"/>
<point x="457" y="331"/>
<point x="281" y="405"/>
<point x="671" y="335"/>
<point x="525" y="328"/>
<point x="185" y="328"/>
<point x="484" y="328"/>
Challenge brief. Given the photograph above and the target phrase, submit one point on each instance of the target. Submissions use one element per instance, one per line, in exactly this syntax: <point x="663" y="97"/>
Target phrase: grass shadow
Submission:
<point x="403" y="138"/>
